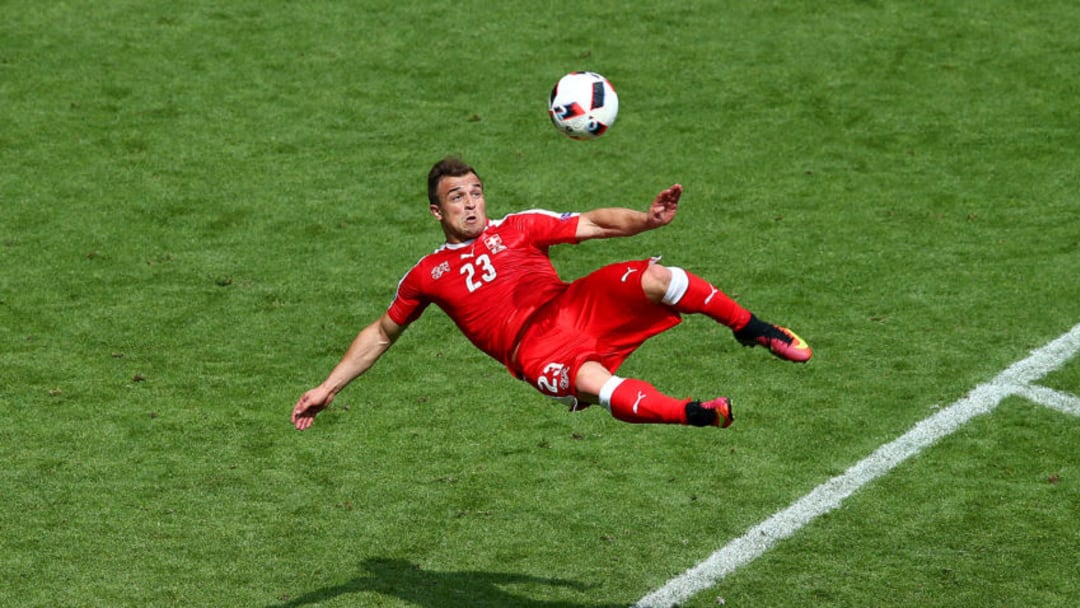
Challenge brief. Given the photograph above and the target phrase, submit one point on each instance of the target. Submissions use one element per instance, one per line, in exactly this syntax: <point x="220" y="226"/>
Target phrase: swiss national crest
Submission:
<point x="440" y="270"/>
<point x="494" y="243"/>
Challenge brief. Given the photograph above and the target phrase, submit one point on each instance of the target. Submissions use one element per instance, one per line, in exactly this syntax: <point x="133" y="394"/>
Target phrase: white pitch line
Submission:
<point x="1015" y="380"/>
<point x="1048" y="397"/>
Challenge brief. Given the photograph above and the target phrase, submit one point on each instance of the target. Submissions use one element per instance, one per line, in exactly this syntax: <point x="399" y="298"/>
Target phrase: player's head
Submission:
<point x="456" y="197"/>
<point x="447" y="167"/>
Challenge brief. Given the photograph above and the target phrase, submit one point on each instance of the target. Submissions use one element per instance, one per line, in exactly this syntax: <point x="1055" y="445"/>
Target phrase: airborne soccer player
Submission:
<point x="495" y="280"/>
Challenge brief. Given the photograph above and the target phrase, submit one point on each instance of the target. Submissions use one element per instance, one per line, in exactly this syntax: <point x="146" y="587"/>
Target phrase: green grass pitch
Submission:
<point x="201" y="203"/>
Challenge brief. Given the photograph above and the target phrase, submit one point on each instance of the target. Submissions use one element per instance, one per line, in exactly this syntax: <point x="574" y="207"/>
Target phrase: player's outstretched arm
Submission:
<point x="615" y="221"/>
<point x="369" y="345"/>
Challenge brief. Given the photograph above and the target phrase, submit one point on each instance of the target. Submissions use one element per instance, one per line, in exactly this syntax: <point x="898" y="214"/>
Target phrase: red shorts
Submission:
<point x="601" y="317"/>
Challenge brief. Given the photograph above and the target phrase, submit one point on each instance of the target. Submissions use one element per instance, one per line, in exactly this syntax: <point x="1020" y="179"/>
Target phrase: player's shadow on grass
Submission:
<point x="436" y="589"/>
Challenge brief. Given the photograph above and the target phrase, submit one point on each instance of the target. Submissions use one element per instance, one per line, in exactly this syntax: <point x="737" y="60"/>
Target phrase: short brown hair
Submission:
<point x="447" y="167"/>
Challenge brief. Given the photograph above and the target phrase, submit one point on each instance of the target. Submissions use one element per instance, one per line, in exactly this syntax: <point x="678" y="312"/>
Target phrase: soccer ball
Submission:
<point x="583" y="105"/>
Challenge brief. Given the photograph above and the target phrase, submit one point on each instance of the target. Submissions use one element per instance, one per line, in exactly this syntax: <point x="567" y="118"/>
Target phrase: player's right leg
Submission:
<point x="636" y="401"/>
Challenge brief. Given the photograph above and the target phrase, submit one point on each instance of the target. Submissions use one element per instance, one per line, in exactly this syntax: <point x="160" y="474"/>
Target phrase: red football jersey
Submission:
<point x="491" y="285"/>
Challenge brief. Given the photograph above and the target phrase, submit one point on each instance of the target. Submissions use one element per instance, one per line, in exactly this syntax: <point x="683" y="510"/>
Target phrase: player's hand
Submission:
<point x="664" y="206"/>
<point x="310" y="404"/>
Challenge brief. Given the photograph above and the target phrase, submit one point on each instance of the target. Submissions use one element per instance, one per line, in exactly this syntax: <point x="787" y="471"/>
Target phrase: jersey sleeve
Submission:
<point x="547" y="228"/>
<point x="408" y="303"/>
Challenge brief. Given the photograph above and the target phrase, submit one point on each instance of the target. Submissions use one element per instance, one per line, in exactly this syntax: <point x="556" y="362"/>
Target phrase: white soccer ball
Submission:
<point x="583" y="105"/>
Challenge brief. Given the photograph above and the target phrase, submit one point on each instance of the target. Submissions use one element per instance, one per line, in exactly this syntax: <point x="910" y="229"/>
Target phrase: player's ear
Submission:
<point x="435" y="211"/>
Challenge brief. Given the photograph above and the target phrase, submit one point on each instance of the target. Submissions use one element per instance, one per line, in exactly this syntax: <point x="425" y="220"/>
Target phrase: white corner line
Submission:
<point x="1017" y="379"/>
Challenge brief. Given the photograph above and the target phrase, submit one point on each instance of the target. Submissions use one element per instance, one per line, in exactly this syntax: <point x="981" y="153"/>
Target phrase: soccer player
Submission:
<point x="496" y="282"/>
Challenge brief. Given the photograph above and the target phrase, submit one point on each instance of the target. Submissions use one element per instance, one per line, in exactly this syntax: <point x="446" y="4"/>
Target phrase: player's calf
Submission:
<point x="636" y="401"/>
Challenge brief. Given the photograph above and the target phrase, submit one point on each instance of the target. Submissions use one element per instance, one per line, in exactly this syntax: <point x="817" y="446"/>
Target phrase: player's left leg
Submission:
<point x="691" y="294"/>
<point x="636" y="401"/>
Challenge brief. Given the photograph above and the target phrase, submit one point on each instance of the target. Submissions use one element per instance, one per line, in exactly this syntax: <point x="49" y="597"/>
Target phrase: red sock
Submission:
<point x="702" y="298"/>
<point x="637" y="401"/>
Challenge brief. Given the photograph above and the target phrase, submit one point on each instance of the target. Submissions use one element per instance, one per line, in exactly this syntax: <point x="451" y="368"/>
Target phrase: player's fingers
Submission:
<point x="297" y="410"/>
<point x="303" y="411"/>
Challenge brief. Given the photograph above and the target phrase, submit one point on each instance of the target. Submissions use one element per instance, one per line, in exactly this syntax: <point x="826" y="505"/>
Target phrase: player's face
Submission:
<point x="461" y="209"/>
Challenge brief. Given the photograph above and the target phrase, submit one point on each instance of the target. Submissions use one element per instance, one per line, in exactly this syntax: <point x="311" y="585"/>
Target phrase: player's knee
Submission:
<point x="590" y="380"/>
<point x="655" y="281"/>
<point x="678" y="283"/>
